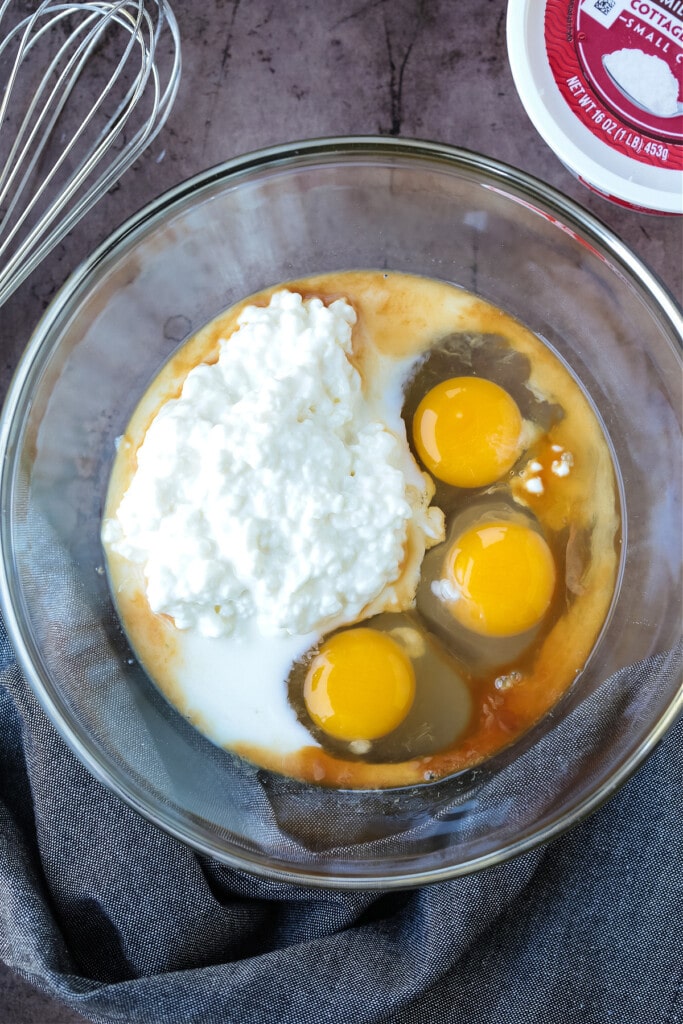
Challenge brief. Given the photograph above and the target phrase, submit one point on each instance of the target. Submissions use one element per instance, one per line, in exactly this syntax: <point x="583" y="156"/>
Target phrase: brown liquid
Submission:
<point x="478" y="695"/>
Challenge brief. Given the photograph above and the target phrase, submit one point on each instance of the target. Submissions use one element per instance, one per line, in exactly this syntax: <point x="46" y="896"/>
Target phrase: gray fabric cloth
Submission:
<point x="123" y="923"/>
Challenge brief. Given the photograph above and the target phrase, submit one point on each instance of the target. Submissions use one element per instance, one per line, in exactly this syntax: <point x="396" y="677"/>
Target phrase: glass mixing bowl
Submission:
<point x="269" y="217"/>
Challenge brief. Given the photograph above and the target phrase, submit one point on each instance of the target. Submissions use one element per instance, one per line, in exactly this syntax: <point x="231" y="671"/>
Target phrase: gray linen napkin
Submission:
<point x="123" y="923"/>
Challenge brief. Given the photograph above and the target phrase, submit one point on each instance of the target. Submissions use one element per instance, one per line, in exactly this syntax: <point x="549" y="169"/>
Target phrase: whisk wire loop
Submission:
<point x="47" y="183"/>
<point x="54" y="104"/>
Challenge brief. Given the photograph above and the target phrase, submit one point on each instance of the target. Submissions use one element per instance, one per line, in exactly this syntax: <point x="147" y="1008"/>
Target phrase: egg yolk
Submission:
<point x="467" y="431"/>
<point x="504" y="577"/>
<point x="360" y="685"/>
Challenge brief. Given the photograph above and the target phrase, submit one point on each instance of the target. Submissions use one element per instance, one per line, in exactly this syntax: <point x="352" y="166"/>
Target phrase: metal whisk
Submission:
<point x="121" y="60"/>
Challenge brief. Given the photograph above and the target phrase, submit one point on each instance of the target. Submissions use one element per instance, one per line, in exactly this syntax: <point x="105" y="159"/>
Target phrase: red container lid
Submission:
<point x="602" y="81"/>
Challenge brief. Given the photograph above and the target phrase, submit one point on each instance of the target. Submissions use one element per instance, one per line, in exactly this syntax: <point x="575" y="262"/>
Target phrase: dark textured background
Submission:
<point x="259" y="72"/>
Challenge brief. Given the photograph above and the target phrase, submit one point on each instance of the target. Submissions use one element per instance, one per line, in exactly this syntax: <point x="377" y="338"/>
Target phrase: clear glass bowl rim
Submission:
<point x="524" y="187"/>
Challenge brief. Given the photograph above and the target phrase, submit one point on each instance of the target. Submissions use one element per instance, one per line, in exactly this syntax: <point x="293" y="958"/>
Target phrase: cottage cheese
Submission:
<point x="645" y="78"/>
<point x="273" y="489"/>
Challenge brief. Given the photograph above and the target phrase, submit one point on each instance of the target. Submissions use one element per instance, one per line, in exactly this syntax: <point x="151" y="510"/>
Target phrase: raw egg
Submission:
<point x="503" y="578"/>
<point x="360" y="685"/>
<point x="467" y="431"/>
<point x="476" y="632"/>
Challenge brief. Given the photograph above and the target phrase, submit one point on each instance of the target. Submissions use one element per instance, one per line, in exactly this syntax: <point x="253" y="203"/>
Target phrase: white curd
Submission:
<point x="274" y="489"/>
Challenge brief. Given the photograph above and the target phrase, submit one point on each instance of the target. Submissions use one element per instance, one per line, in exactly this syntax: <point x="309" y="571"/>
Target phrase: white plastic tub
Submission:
<point x="621" y="134"/>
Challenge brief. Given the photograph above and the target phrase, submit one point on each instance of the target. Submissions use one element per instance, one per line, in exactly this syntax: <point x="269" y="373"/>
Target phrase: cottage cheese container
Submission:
<point x="602" y="81"/>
